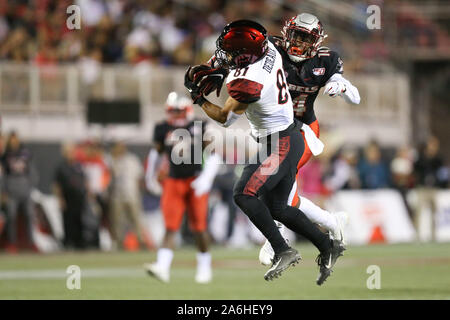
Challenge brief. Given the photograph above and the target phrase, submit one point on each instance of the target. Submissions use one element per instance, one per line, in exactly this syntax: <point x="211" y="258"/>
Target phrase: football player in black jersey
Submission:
<point x="187" y="186"/>
<point x="308" y="66"/>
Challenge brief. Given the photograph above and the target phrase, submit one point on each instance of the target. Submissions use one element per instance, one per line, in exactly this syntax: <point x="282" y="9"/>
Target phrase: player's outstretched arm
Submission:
<point x="337" y="85"/>
<point x="151" y="182"/>
<point x="227" y="115"/>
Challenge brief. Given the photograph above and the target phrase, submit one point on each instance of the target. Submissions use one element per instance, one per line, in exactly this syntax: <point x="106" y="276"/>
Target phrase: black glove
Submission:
<point x="195" y="92"/>
<point x="210" y="79"/>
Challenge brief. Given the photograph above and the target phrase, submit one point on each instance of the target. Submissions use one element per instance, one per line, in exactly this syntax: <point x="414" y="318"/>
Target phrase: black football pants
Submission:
<point x="263" y="189"/>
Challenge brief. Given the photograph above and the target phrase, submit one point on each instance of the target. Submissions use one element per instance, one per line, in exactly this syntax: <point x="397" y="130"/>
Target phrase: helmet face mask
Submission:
<point x="241" y="43"/>
<point x="302" y="35"/>
<point x="225" y="58"/>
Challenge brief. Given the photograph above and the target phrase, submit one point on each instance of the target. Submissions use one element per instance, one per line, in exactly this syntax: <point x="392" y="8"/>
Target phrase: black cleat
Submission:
<point x="281" y="262"/>
<point x="326" y="260"/>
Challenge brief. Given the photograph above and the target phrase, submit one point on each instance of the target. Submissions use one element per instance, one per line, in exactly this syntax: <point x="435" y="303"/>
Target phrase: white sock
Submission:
<point x="164" y="258"/>
<point x="317" y="214"/>
<point x="203" y="260"/>
<point x="281" y="228"/>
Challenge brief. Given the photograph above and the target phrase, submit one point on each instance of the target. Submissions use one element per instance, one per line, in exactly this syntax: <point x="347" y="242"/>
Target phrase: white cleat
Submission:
<point x="266" y="254"/>
<point x="203" y="275"/>
<point x="154" y="270"/>
<point x="342" y="220"/>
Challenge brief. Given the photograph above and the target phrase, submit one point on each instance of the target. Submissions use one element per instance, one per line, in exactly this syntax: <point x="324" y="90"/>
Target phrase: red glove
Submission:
<point x="210" y="79"/>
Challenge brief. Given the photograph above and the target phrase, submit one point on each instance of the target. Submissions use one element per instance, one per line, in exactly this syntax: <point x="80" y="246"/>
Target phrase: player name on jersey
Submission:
<point x="270" y="60"/>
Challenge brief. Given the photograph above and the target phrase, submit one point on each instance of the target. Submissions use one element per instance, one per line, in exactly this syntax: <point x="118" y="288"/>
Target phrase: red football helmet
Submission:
<point x="241" y="43"/>
<point x="179" y="110"/>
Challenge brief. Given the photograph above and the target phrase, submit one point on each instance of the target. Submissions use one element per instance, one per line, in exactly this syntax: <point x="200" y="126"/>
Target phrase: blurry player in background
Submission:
<point x="20" y="177"/>
<point x="256" y="86"/>
<point x="186" y="187"/>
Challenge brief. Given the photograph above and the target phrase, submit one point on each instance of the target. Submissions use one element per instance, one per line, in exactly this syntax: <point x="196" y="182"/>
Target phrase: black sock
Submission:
<point x="259" y="215"/>
<point x="296" y="220"/>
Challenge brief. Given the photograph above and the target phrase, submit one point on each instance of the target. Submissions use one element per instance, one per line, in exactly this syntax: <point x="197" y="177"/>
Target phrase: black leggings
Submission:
<point x="263" y="189"/>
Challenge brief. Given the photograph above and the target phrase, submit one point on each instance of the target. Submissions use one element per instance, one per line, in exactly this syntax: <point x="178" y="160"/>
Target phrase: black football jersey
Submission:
<point x="305" y="78"/>
<point x="17" y="163"/>
<point x="179" y="140"/>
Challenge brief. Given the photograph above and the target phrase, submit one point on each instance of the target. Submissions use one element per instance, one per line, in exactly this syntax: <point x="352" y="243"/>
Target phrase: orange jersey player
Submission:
<point x="187" y="186"/>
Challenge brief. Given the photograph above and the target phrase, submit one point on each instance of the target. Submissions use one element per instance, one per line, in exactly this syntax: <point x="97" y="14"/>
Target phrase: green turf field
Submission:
<point x="420" y="271"/>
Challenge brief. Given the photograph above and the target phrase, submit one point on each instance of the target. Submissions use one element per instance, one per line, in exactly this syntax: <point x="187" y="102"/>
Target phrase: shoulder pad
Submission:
<point x="324" y="49"/>
<point x="323" y="52"/>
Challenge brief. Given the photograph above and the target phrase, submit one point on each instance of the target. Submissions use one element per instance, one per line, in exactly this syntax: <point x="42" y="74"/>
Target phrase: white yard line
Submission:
<point x="61" y="274"/>
<point x="137" y="272"/>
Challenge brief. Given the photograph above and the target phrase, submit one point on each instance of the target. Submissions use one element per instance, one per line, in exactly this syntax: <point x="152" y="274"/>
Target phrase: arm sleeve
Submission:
<point x="244" y="90"/>
<point x="210" y="169"/>
<point x="152" y="160"/>
<point x="351" y="94"/>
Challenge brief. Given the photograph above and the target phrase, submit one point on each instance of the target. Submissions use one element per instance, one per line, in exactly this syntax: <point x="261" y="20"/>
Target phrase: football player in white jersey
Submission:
<point x="257" y="87"/>
<point x="308" y="67"/>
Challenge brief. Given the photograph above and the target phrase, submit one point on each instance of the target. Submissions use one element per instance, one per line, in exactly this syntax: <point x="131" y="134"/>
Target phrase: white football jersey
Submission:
<point x="263" y="86"/>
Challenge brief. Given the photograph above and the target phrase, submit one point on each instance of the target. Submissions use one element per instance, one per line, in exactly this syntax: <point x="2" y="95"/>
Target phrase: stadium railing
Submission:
<point x="46" y="92"/>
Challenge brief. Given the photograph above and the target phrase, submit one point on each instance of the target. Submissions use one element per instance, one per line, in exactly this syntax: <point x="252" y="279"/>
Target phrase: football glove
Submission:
<point x="210" y="79"/>
<point x="334" y="88"/>
<point x="196" y="95"/>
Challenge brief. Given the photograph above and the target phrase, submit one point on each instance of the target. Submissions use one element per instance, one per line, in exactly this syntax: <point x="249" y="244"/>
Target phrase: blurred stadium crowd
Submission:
<point x="106" y="184"/>
<point x="184" y="32"/>
<point x="108" y="180"/>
